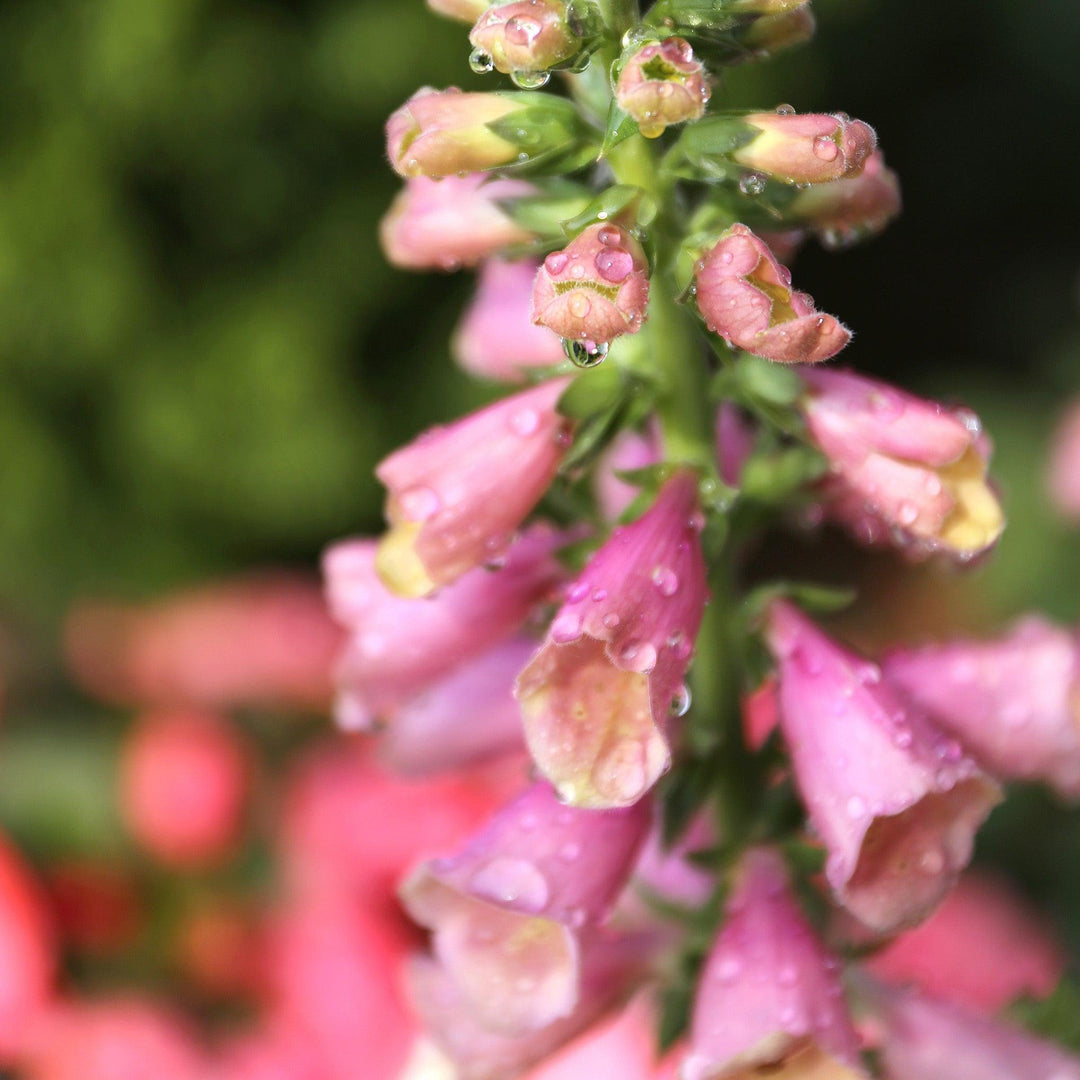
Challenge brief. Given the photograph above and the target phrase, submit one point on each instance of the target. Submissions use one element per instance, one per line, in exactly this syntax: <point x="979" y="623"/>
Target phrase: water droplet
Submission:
<point x="729" y="969"/>
<point x="610" y="236"/>
<point x="752" y="183"/>
<point x="680" y="645"/>
<point x="579" y="305"/>
<point x="419" y="503"/>
<point x="570" y="852"/>
<point x="614" y="264"/>
<point x="907" y="514"/>
<point x="902" y="737"/>
<point x="825" y="148"/>
<point x="969" y="420"/>
<point x="600" y="595"/>
<point x="680" y="703"/>
<point x="856" y="807"/>
<point x="521" y="30"/>
<point x="666" y="580"/>
<point x="638" y="656"/>
<point x="577" y="592"/>
<point x="585" y="354"/>
<point x="610" y="620"/>
<point x="556" y="262"/>
<point x="566" y="627"/>
<point x="931" y="862"/>
<point x="525" y="422"/>
<point x="507" y="880"/>
<point x="481" y="62"/>
<point x="785" y="110"/>
<point x="529" y="80"/>
<point x="787" y="975"/>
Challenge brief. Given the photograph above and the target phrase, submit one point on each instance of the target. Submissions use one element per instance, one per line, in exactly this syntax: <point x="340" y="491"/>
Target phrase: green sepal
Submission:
<point x="816" y="599"/>
<point x="622" y="204"/>
<point x="702" y="149"/>
<point x="1056" y="1017"/>
<point x="778" y="476"/>
<point x="619" y="127"/>
<point x="548" y="131"/>
<point x="692" y="15"/>
<point x="765" y="381"/>
<point x="545" y="212"/>
<point x="601" y="403"/>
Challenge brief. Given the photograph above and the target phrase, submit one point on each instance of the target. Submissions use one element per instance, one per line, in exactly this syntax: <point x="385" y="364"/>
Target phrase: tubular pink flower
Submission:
<point x="468" y="717"/>
<point x="463" y="10"/>
<point x="442" y="132"/>
<point x="663" y="83"/>
<point x="630" y="450"/>
<point x="734" y="442"/>
<point x="745" y="295"/>
<point x="597" y="696"/>
<point x="595" y="289"/>
<point x="806" y="148"/>
<point x="611" y="969"/>
<point x="770" y="999"/>
<point x="929" y="1040"/>
<point x="398" y="648"/>
<point x="1013" y="702"/>
<point x="525" y="35"/>
<point x="457" y="494"/>
<point x="496" y="338"/>
<point x="902" y="466"/>
<point x="449" y="223"/>
<point x="983" y="948"/>
<point x="1063" y="470"/>
<point x="508" y="911"/>
<point x="895" y="800"/>
<point x="843" y="211"/>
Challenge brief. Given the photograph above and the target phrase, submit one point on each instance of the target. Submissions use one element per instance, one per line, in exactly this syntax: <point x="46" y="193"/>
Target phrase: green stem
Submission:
<point x="619" y="15"/>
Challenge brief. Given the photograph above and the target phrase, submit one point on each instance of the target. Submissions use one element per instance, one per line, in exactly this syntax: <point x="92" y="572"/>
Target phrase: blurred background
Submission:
<point x="203" y="352"/>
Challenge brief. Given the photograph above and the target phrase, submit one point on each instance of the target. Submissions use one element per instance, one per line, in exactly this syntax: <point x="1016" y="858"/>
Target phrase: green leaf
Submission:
<point x="816" y="599"/>
<point x="620" y="126"/>
<point x="622" y="203"/>
<point x="774" y="478"/>
<point x="545" y="213"/>
<point x="1056" y="1017"/>
<point x="768" y="382"/>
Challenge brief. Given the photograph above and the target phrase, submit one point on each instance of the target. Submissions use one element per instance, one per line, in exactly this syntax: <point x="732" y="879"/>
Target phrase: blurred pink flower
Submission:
<point x="631" y="450"/>
<point x="1063" y="468"/>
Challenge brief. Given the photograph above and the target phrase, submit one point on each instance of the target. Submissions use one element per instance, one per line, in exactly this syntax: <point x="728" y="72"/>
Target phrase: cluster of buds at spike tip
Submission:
<point x="745" y="296"/>
<point x="770" y="1001"/>
<point x="904" y="469"/>
<point x="510" y="912"/>
<point x="440" y="133"/>
<point x="523" y="38"/>
<point x="456" y="495"/>
<point x="597" y="698"/>
<point x="595" y="289"/>
<point x="895" y="800"/>
<point x="662" y="83"/>
<point x="805" y="148"/>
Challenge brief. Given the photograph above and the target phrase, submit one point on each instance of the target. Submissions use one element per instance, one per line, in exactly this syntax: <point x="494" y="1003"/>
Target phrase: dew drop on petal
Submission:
<point x="577" y="592"/>
<point x="785" y="110"/>
<point x="481" y="62"/>
<point x="610" y="236"/>
<point x="752" y="183"/>
<point x="419" y="503"/>
<point x="680" y="703"/>
<point x="614" y="264"/>
<point x="556" y="262"/>
<point x="529" y="80"/>
<point x="610" y="620"/>
<point x="521" y="30"/>
<point x="579" y="305"/>
<point x="856" y="807"/>
<point x="508" y="880"/>
<point x="585" y="354"/>
<point x="825" y="148"/>
<point x="566" y="627"/>
<point x="525" y="422"/>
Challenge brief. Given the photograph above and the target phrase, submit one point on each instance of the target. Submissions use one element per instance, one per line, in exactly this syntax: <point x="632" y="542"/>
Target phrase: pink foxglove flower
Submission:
<point x="894" y="799"/>
<point x="457" y="494"/>
<point x="806" y="148"/>
<point x="929" y="1040"/>
<point x="1063" y="473"/>
<point x="770" y="1000"/>
<point x="463" y="10"/>
<point x="734" y="442"/>
<point x="663" y="83"/>
<point x="450" y="223"/>
<point x="496" y="338"/>
<point x="398" y="648"/>
<point x="595" y="289"/>
<point x="612" y="968"/>
<point x="983" y="948"/>
<point x="597" y="697"/>
<point x="630" y="451"/>
<point x="902" y="465"/>
<point x="525" y="35"/>
<point x="508" y="912"/>
<point x="469" y="716"/>
<point x="1014" y="702"/>
<point x="745" y="296"/>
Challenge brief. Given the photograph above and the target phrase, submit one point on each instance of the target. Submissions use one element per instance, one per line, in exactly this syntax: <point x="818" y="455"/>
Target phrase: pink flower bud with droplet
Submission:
<point x="663" y="83"/>
<point x="770" y="999"/>
<point x="397" y="648"/>
<point x="508" y="912"/>
<point x="902" y="466"/>
<point x="525" y="35"/>
<point x="192" y="760"/>
<point x="1014" y="702"/>
<point x="806" y="148"/>
<point x="843" y="211"/>
<point x="457" y="494"/>
<point x="496" y="338"/>
<point x="894" y="799"/>
<point x="927" y="1040"/>
<point x="450" y="223"/>
<point x="1063" y="472"/>
<point x="597" y="697"/>
<point x="463" y="10"/>
<point x="745" y="295"/>
<point x="784" y="30"/>
<point x="984" y="948"/>
<point x="595" y="289"/>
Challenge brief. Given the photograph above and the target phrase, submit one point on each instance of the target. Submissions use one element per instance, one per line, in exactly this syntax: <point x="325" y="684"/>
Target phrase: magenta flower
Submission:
<point x="457" y="494"/>
<point x="525" y="35"/>
<point x="398" y="648"/>
<point x="595" y="289"/>
<point x="902" y="466"/>
<point x="928" y="1040"/>
<point x="631" y="450"/>
<point x="597" y="697"/>
<point x="1063" y="468"/>
<point x="450" y="223"/>
<point x="663" y="83"/>
<point x="806" y="148"/>
<point x="468" y="717"/>
<point x="734" y="442"/>
<point x="894" y="799"/>
<point x="496" y="338"/>
<point x="508" y="911"/>
<point x="1013" y="702"/>
<point x="770" y="1000"/>
<point x="745" y="295"/>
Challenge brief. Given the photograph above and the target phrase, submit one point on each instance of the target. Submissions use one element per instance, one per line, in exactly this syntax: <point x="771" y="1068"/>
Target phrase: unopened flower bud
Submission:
<point x="806" y="148"/>
<point x="745" y="295"/>
<point x="595" y="289"/>
<point x="463" y="10"/>
<point x="450" y="223"/>
<point x="764" y="7"/>
<point x="441" y="132"/>
<point x="525" y="35"/>
<point x="772" y="33"/>
<point x="661" y="84"/>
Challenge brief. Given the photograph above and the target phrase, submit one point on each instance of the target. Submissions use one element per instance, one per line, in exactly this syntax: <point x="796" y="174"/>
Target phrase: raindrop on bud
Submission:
<point x="481" y="62"/>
